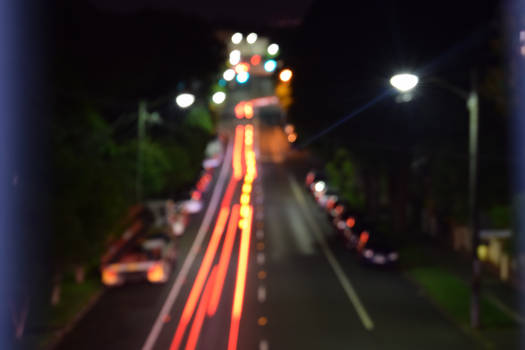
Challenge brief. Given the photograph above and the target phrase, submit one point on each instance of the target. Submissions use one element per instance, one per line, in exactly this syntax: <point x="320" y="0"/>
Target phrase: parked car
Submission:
<point x="377" y="250"/>
<point x="326" y="197"/>
<point x="149" y="258"/>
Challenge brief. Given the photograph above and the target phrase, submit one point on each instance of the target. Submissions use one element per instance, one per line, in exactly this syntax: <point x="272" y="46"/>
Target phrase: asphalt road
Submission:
<point x="303" y="290"/>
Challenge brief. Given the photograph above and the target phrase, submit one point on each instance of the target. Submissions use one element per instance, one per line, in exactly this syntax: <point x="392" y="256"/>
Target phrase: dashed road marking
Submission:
<point x="261" y="294"/>
<point x="264" y="345"/>
<point x="261" y="258"/>
<point x="349" y="289"/>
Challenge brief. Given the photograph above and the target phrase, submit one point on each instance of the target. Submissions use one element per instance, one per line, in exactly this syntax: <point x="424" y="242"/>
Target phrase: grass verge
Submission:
<point x="75" y="297"/>
<point x="452" y="294"/>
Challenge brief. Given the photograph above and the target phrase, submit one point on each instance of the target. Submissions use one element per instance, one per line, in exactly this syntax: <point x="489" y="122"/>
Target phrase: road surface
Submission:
<point x="276" y="279"/>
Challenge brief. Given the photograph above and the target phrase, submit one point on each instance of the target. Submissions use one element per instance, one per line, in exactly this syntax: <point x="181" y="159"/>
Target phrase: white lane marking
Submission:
<point x="261" y="294"/>
<point x="263" y="345"/>
<point x="261" y="258"/>
<point x="197" y="243"/>
<point x="259" y="234"/>
<point x="338" y="270"/>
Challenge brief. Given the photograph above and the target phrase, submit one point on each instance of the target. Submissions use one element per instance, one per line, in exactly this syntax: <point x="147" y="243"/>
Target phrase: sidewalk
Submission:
<point x="501" y="316"/>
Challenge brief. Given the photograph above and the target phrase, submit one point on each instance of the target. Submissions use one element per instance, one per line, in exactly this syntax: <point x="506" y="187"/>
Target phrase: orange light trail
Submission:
<point x="239" y="110"/>
<point x="196" y="327"/>
<point x="228" y="194"/>
<point x="240" y="283"/>
<point x="224" y="261"/>
<point x="237" y="152"/>
<point x="198" y="285"/>
<point x="248" y="110"/>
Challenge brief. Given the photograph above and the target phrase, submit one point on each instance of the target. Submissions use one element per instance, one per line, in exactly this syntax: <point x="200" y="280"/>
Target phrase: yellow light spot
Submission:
<point x="242" y="223"/>
<point x="245" y="210"/>
<point x="261" y="274"/>
<point x="262" y="321"/>
<point x="260" y="246"/>
<point x="247" y="188"/>
<point x="483" y="252"/>
<point x="245" y="199"/>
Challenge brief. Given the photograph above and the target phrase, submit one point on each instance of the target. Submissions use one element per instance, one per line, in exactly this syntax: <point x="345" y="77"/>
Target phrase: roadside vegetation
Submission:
<point x="101" y="74"/>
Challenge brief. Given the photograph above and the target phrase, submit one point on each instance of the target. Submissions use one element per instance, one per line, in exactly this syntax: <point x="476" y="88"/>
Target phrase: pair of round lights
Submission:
<point x="250" y="39"/>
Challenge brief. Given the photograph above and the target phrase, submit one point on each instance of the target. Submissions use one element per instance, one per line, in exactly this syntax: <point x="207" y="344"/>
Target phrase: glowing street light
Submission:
<point x="251" y="38"/>
<point x="404" y="82"/>
<point x="243" y="77"/>
<point x="273" y="49"/>
<point x="236" y="38"/>
<point x="285" y="75"/>
<point x="270" y="65"/>
<point x="229" y="74"/>
<point x="235" y="57"/>
<point x="185" y="100"/>
<point x="218" y="97"/>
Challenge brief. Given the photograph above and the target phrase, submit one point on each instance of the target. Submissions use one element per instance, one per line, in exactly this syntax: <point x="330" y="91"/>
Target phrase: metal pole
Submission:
<point x="473" y="107"/>
<point x="141" y="133"/>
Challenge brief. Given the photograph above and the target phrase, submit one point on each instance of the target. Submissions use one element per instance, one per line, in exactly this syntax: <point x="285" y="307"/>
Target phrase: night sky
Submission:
<point x="261" y="12"/>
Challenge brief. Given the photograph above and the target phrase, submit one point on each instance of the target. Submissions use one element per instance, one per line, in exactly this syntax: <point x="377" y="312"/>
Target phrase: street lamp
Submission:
<point x="236" y="38"/>
<point x="251" y="38"/>
<point x="185" y="100"/>
<point x="273" y="49"/>
<point x="229" y="74"/>
<point x="218" y="97"/>
<point x="406" y="82"/>
<point x="235" y="57"/>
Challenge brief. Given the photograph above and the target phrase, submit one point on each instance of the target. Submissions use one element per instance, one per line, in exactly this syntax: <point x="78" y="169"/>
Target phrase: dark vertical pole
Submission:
<point x="473" y="107"/>
<point x="142" y="115"/>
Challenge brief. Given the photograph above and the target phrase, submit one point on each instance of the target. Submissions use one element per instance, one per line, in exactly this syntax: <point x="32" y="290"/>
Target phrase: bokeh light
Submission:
<point x="218" y="97"/>
<point x="185" y="100"/>
<point x="270" y="65"/>
<point x="273" y="49"/>
<point x="243" y="77"/>
<point x="251" y="38"/>
<point x="229" y="74"/>
<point x="237" y="38"/>
<point x="285" y="75"/>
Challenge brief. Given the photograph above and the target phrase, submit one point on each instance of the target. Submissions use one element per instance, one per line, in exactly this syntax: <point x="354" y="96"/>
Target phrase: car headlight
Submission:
<point x="393" y="256"/>
<point x="368" y="253"/>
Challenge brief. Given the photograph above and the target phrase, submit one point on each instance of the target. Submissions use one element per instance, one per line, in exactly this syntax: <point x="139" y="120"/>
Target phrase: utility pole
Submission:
<point x="141" y="133"/>
<point x="473" y="107"/>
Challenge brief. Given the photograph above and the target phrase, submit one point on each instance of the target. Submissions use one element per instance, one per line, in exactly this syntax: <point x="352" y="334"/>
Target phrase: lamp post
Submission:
<point x="406" y="82"/>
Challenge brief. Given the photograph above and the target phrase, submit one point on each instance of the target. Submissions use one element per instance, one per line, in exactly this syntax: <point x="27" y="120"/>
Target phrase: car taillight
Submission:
<point x="363" y="238"/>
<point x="350" y="222"/>
<point x="156" y="273"/>
<point x="109" y="276"/>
